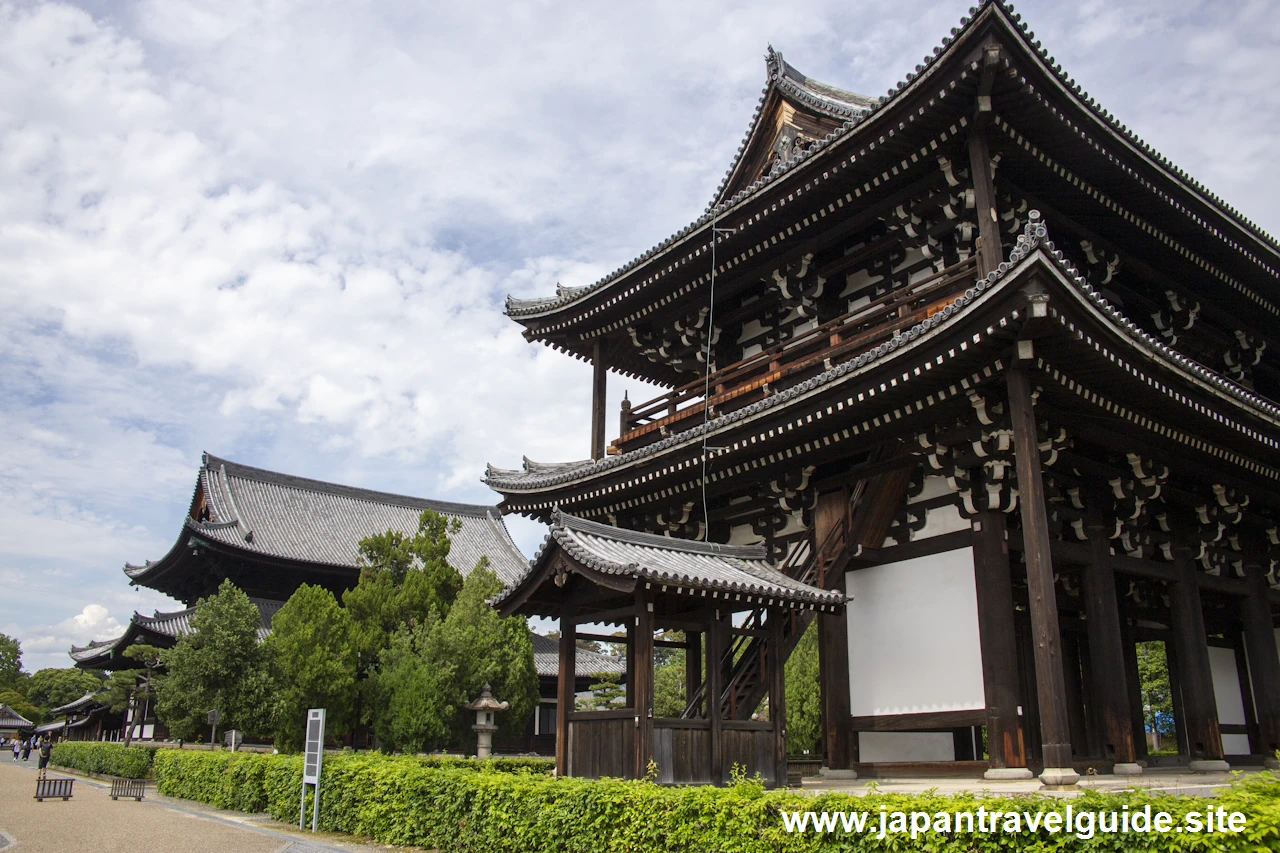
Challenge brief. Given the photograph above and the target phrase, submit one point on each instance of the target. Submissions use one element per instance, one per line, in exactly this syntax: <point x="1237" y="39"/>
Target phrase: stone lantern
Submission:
<point x="485" y="707"/>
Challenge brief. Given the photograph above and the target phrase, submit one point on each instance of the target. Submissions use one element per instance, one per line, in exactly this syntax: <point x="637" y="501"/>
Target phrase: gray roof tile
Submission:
<point x="546" y="660"/>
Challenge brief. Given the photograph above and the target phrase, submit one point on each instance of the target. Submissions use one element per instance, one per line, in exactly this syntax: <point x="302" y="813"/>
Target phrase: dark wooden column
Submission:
<point x="840" y="747"/>
<point x="998" y="638"/>
<point x="1260" y="643"/>
<point x="1050" y="686"/>
<point x="692" y="664"/>
<point x="715" y="647"/>
<point x="643" y="693"/>
<point x="1133" y="688"/>
<point x="1071" y="681"/>
<point x="990" y="253"/>
<point x="1108" y="663"/>
<point x="1195" y="679"/>
<point x="566" y="685"/>
<point x="599" y="386"/>
<point x="777" y="696"/>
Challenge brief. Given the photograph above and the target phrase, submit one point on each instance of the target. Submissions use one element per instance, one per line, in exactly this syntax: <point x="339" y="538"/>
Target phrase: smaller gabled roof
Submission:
<point x="11" y="719"/>
<point x="165" y="626"/>
<point x="84" y="703"/>
<point x="546" y="660"/>
<point x="743" y="572"/>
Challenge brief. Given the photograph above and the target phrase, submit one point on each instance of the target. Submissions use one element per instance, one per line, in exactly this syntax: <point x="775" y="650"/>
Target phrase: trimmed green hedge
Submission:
<point x="408" y="801"/>
<point x="111" y="759"/>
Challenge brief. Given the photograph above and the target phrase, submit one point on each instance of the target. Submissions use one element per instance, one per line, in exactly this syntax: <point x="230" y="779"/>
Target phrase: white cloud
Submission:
<point x="282" y="232"/>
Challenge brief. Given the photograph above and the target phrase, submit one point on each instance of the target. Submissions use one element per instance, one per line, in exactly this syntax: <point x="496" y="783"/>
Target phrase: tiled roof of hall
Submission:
<point x="280" y="516"/>
<point x="865" y="124"/>
<point x="539" y="477"/>
<point x="171" y="625"/>
<point x="11" y="719"/>
<point x="742" y="571"/>
<point x="546" y="660"/>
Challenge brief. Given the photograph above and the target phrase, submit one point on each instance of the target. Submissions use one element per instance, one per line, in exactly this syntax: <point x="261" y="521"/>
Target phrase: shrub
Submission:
<point x="463" y="805"/>
<point x="111" y="759"/>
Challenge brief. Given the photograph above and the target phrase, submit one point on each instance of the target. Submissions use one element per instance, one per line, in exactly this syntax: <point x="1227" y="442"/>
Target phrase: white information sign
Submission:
<point x="313" y="758"/>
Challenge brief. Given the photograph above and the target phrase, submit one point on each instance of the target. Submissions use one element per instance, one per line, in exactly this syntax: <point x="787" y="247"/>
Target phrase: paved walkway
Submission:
<point x="92" y="821"/>
<point x="1173" y="780"/>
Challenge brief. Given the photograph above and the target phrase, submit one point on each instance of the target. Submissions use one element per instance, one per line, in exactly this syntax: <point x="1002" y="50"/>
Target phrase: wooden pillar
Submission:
<point x="715" y="648"/>
<point x="990" y="253"/>
<point x="1175" y="697"/>
<point x="692" y="665"/>
<point x="1071" y="680"/>
<point x="840" y="747"/>
<point x="599" y="386"/>
<point x="1260" y="644"/>
<point x="997" y="636"/>
<point x="1204" y="737"/>
<point x="566" y="685"/>
<point x="776" y="674"/>
<point x="1050" y="687"/>
<point x="1108" y="662"/>
<point x="643" y="693"/>
<point x="629" y="696"/>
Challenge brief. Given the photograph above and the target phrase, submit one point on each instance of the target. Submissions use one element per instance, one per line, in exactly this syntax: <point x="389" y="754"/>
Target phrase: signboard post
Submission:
<point x="313" y="757"/>
<point x="213" y="728"/>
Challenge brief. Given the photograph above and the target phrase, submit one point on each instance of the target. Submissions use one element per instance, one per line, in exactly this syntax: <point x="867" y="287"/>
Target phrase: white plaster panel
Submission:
<point x="940" y="520"/>
<point x="1235" y="744"/>
<point x="913" y="637"/>
<point x="906" y="746"/>
<point x="1226" y="686"/>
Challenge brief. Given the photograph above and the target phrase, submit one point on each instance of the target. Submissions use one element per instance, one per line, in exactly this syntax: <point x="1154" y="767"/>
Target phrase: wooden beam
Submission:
<point x="997" y="637"/>
<point x="839" y="744"/>
<point x="715" y="648"/>
<point x="928" y="721"/>
<point x="1204" y="737"/>
<point x="776" y="674"/>
<point x="1106" y="650"/>
<point x="599" y="387"/>
<point x="643" y="693"/>
<point x="565" y="684"/>
<point x="1055" y="730"/>
<point x="990" y="253"/>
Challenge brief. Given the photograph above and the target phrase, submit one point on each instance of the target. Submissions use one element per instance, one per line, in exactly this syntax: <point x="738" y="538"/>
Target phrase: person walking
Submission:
<point x="26" y="747"/>
<point x="17" y="747"/>
<point x="46" y="750"/>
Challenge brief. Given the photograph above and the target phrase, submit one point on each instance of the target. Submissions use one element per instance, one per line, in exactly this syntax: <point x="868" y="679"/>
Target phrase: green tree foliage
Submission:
<point x="668" y="676"/>
<point x="432" y="667"/>
<point x="52" y="688"/>
<point x="804" y="700"/>
<point x="313" y="664"/>
<point x="219" y="665"/>
<point x="607" y="692"/>
<point x="11" y="675"/>
<point x="1157" y="698"/>
<point x="402" y="579"/>
<point x="19" y="703"/>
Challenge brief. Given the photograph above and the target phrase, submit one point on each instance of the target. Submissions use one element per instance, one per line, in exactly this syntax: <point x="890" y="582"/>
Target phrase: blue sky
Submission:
<point x="282" y="232"/>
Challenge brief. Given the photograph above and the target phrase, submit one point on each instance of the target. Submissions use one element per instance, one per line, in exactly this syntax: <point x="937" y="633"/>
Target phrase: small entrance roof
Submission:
<point x="620" y="559"/>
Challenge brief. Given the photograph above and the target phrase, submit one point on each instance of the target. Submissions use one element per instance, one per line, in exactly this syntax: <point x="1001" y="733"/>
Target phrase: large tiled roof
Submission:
<point x="682" y="564"/>
<point x="11" y="719"/>
<point x="988" y="10"/>
<point x="293" y="518"/>
<point x="546" y="660"/>
<point x="84" y="703"/>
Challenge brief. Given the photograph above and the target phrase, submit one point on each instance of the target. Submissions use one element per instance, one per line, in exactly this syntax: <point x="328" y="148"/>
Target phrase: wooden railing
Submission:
<point x="793" y="360"/>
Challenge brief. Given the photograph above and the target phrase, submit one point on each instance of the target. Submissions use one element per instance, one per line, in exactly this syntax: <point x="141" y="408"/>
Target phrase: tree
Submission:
<point x="401" y="580"/>
<point x="431" y="668"/>
<point x="804" y="697"/>
<point x="668" y="676"/>
<point x="10" y="663"/>
<point x="1157" y="698"/>
<point x="607" y="693"/>
<point x="218" y="666"/>
<point x="19" y="703"/>
<point x="313" y="662"/>
<point x="53" y="688"/>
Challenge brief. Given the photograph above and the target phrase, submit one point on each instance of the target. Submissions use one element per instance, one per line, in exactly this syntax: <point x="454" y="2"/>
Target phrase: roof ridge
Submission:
<point x="291" y="481"/>
<point x="564" y="520"/>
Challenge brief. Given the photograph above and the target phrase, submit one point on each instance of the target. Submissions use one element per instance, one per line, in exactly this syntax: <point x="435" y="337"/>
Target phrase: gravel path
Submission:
<point x="94" y="823"/>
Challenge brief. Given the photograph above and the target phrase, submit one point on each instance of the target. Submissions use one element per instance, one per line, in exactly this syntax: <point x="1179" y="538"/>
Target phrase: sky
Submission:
<point x="282" y="232"/>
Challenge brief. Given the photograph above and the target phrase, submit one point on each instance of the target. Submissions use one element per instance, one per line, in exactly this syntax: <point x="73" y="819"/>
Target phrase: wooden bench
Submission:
<point x="53" y="786"/>
<point x="126" y="788"/>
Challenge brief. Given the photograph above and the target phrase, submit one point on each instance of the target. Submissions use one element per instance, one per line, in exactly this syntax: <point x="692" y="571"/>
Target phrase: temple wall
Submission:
<point x="906" y="746"/>
<point x="913" y="636"/>
<point x="1226" y="692"/>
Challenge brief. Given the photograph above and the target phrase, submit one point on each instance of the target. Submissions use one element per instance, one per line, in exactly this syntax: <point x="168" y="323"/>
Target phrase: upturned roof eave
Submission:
<point x="990" y="11"/>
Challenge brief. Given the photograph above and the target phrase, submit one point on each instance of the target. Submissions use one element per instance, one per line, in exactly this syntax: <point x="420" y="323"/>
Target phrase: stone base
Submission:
<point x="1005" y="774"/>
<point x="1059" y="777"/>
<point x="1211" y="766"/>
<point x="1127" y="769"/>
<point x="833" y="773"/>
<point x="1271" y="763"/>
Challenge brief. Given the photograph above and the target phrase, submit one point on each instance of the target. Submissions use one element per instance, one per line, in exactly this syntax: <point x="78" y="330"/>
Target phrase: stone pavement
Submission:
<point x="94" y="823"/>
<point x="1172" y="780"/>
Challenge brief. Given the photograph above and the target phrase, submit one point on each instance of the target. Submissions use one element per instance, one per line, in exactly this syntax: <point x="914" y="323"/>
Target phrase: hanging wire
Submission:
<point x="706" y="382"/>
